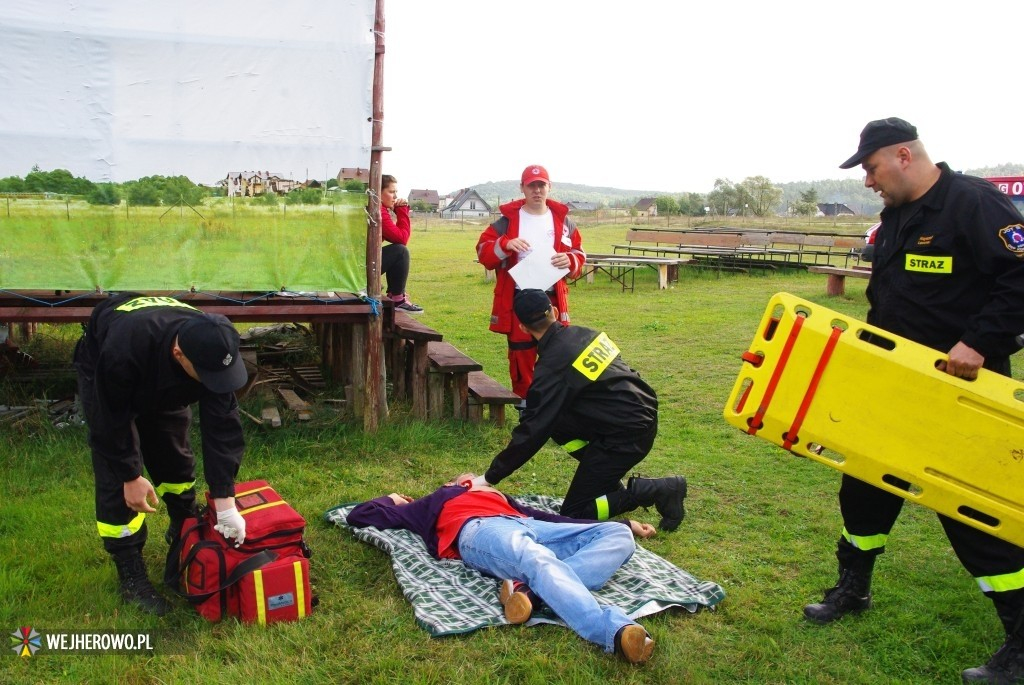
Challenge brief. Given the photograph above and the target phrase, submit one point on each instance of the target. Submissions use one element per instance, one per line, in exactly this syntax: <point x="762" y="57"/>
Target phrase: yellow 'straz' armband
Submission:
<point x="596" y="357"/>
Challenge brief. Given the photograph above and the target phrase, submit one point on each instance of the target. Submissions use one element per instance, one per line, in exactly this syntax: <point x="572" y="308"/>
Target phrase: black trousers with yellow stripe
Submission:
<point x="869" y="513"/>
<point x="603" y="461"/>
<point x="160" y="439"/>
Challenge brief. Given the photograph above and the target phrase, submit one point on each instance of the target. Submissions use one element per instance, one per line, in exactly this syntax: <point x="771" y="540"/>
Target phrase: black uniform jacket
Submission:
<point x="579" y="381"/>
<point x="124" y="360"/>
<point x="954" y="270"/>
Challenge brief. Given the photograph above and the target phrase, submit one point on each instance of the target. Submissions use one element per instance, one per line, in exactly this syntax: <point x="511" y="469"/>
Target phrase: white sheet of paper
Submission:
<point x="536" y="271"/>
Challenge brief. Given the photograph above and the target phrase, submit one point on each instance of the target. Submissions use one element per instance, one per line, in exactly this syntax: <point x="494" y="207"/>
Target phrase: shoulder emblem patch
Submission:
<point x="1013" y="238"/>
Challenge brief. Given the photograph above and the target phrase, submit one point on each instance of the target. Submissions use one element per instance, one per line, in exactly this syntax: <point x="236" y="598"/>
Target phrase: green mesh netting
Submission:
<point x="223" y="245"/>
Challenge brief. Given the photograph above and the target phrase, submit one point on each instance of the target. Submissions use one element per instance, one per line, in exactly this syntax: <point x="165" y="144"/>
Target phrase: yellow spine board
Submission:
<point x="878" y="410"/>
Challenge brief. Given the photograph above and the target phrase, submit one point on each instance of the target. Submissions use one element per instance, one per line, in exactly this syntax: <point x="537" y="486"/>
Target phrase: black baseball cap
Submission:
<point x="531" y="305"/>
<point x="210" y="342"/>
<point x="878" y="134"/>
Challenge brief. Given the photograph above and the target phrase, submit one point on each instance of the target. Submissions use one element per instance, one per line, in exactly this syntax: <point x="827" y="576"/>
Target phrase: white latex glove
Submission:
<point x="230" y="524"/>
<point x="479" y="480"/>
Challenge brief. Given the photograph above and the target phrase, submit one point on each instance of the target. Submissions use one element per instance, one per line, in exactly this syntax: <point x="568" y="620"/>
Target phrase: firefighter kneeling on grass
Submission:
<point x="589" y="401"/>
<point x="141" y="363"/>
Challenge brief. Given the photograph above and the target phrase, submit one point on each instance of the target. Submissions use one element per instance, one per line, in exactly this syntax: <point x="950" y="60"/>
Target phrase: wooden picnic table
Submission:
<point x="619" y="266"/>
<point x="836" y="282"/>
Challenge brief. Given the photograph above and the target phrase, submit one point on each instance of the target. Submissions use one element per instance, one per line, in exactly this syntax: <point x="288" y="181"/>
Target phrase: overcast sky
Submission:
<point x="670" y="95"/>
<point x="662" y="95"/>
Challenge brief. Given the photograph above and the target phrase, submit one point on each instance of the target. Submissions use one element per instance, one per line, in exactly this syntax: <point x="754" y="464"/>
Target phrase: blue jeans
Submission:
<point x="561" y="562"/>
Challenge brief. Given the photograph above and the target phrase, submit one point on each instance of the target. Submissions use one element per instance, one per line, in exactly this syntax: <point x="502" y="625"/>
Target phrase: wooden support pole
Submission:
<point x="376" y="402"/>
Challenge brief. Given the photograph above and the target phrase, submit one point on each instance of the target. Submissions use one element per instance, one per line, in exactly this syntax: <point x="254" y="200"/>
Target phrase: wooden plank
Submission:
<point x="485" y="390"/>
<point x="296" y="404"/>
<point x="490" y="391"/>
<point x="357" y="363"/>
<point x="447" y="358"/>
<point x="460" y="395"/>
<point x="695" y="238"/>
<point x="435" y="392"/>
<point x="855" y="272"/>
<point x="271" y="416"/>
<point x="407" y="327"/>
<point x="420" y="371"/>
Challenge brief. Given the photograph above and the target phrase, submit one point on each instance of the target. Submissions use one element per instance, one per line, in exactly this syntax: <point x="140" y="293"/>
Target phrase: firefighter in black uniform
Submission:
<point x="590" y="402"/>
<point x="141" y="362"/>
<point x="948" y="272"/>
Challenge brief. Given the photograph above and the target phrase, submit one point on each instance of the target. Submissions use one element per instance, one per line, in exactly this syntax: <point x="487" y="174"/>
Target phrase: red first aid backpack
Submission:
<point x="265" y="579"/>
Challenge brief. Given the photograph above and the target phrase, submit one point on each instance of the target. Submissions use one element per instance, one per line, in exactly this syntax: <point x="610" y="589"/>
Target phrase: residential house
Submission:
<point x="578" y="206"/>
<point x="347" y="174"/>
<point x="428" y="197"/>
<point x="255" y="183"/>
<point x="834" y="209"/>
<point x="646" y="207"/>
<point x="467" y="203"/>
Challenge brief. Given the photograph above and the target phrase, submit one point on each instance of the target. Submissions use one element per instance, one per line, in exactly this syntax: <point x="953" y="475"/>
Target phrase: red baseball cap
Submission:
<point x="534" y="172"/>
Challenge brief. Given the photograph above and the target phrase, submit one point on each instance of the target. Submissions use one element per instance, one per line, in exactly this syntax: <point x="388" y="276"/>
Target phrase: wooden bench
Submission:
<point x="449" y="368"/>
<point x="836" y="282"/>
<point x="407" y="341"/>
<point x="484" y="390"/>
<point x="746" y="249"/>
<point x="829" y="246"/>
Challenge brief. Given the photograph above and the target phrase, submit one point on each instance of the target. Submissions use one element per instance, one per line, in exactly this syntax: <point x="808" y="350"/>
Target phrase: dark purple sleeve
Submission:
<point x="383" y="513"/>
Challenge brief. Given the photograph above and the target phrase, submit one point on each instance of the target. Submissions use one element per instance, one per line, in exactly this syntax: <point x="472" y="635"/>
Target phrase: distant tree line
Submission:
<point x="149" y="191"/>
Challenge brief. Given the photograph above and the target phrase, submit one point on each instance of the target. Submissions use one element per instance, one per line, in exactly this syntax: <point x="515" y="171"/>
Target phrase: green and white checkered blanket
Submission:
<point x="449" y="598"/>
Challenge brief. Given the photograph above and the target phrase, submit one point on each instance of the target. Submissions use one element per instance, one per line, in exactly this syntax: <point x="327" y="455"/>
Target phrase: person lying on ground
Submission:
<point x="539" y="557"/>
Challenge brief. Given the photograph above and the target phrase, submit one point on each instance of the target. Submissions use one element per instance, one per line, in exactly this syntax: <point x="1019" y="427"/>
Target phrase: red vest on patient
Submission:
<point x="458" y="510"/>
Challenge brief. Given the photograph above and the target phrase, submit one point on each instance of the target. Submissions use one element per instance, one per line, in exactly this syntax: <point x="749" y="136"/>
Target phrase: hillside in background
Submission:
<point x="495" y="192"/>
<point x="849" y="191"/>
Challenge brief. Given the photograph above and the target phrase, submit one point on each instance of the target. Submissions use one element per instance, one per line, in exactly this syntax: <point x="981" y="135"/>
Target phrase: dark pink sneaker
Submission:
<point x="402" y="302"/>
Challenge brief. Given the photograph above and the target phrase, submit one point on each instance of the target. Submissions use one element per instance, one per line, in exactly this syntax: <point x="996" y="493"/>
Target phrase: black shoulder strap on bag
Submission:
<point x="253" y="563"/>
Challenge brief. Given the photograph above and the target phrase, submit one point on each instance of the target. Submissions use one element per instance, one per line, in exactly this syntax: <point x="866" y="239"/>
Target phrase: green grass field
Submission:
<point x="760" y="522"/>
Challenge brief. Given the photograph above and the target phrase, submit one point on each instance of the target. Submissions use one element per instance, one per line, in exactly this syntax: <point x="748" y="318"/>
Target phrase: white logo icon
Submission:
<point x="227" y="360"/>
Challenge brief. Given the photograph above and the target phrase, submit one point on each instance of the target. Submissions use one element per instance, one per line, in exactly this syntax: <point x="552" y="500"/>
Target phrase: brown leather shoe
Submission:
<point x="634" y="644"/>
<point x="514" y="596"/>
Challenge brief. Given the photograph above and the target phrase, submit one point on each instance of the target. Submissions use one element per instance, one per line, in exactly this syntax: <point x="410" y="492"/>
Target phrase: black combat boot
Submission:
<point x="665" y="494"/>
<point x="135" y="586"/>
<point x="851" y="595"/>
<point x="1007" y="664"/>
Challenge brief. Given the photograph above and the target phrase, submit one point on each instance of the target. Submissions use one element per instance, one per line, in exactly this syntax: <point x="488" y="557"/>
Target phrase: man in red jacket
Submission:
<point x="532" y="221"/>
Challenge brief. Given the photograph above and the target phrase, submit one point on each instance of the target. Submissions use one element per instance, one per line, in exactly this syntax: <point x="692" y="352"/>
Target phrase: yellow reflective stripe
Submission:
<point x="143" y="302"/>
<point x="174" y="488"/>
<point x="249" y="492"/>
<point x="866" y="542"/>
<point x="602" y="507"/>
<point x="574" y="445"/>
<point x="596" y="357"/>
<point x="1002" y="583"/>
<point x="246" y="512"/>
<point x="300" y="590"/>
<point x="929" y="264"/>
<point x="121" y="530"/>
<point x="261" y="606"/>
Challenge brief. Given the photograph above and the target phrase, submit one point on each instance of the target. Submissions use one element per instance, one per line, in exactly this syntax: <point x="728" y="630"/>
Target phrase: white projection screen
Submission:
<point x="116" y="91"/>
